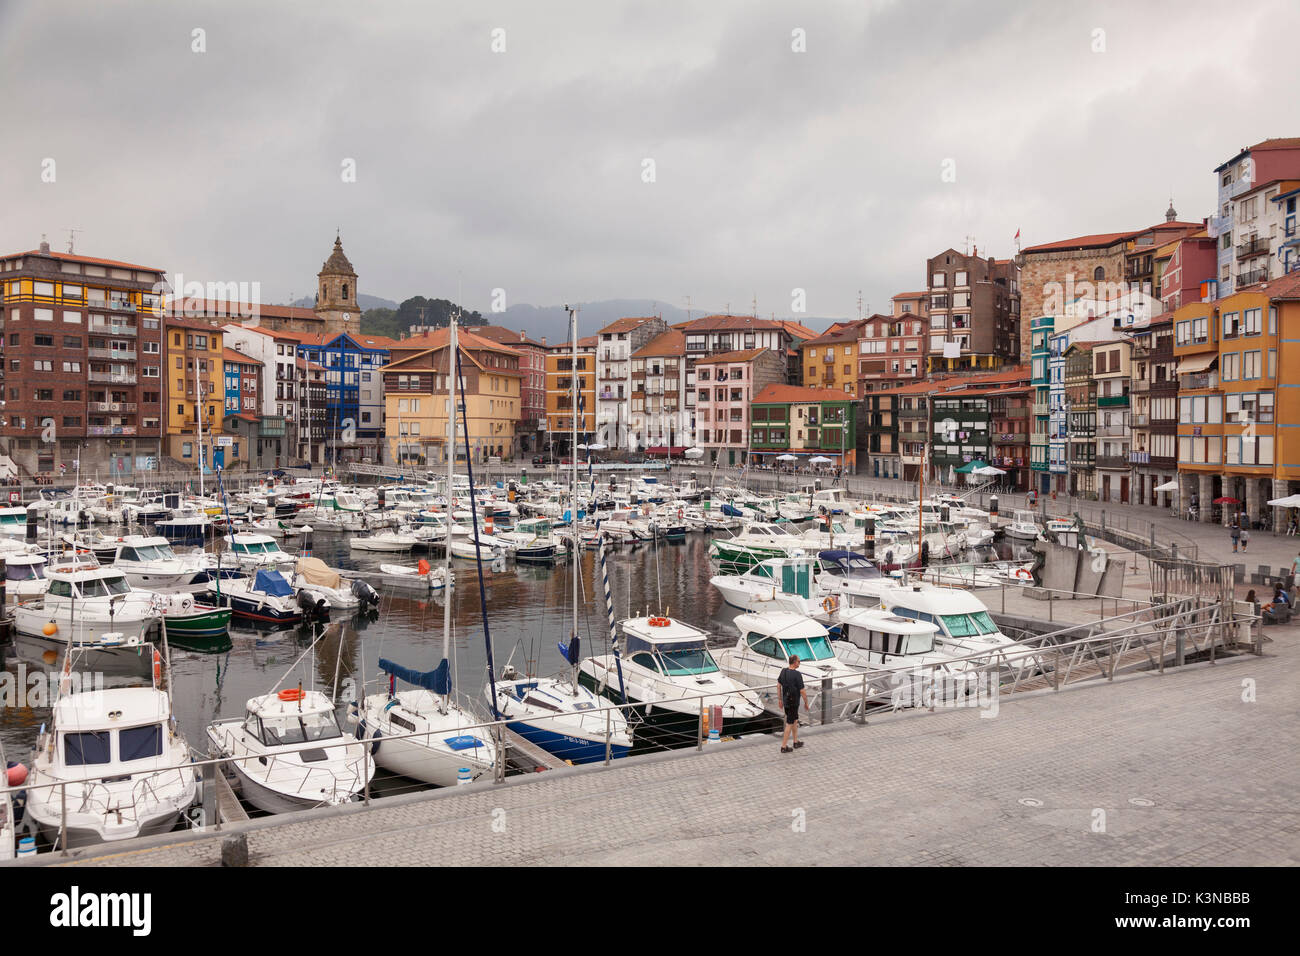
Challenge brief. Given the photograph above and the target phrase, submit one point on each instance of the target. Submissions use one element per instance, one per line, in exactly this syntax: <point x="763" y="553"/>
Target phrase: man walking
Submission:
<point x="1236" y="534"/>
<point x="791" y="684"/>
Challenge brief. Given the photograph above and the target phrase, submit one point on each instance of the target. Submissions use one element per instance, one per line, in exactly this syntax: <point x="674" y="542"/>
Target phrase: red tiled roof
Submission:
<point x="201" y="308"/>
<point x="233" y="355"/>
<point x="1287" y="287"/>
<point x="437" y="339"/>
<point x="794" y="393"/>
<point x="724" y="323"/>
<point x="627" y="324"/>
<point x="839" y="332"/>
<point x="797" y="330"/>
<point x="672" y="342"/>
<point x="1097" y="240"/>
<point x="910" y="295"/>
<point x="70" y="257"/>
<point x="747" y="355"/>
<point x="499" y="333"/>
<point x="176" y="322"/>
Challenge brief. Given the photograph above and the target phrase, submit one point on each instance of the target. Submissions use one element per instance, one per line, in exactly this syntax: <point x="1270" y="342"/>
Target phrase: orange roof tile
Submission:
<point x="1097" y="240"/>
<point x="70" y="257"/>
<point x="672" y="342"/>
<point x="233" y="355"/>
<point x="627" y="324"/>
<point x="729" y="322"/>
<point x="794" y="393"/>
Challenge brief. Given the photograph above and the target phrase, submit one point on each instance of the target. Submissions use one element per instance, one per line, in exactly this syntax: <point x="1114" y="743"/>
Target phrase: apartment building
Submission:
<point x="614" y="347"/>
<point x="532" y="384"/>
<point x="276" y="354"/>
<point x="725" y="387"/>
<point x="830" y="360"/>
<point x="82" y="364"/>
<point x="974" y="312"/>
<point x="807" y="423"/>
<point x="1112" y="375"/>
<point x="416" y="393"/>
<point x="1153" y="389"/>
<point x="194" y="371"/>
<point x="1250" y="221"/>
<point x="561" y="371"/>
<point x="661" y="419"/>
<point x="879" y="452"/>
<point x="892" y="351"/>
<point x="1041" y="328"/>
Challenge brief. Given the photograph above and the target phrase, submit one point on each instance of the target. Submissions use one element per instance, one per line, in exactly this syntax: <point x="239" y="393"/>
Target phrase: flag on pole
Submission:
<point x="1017" y="235"/>
<point x="63" y="468"/>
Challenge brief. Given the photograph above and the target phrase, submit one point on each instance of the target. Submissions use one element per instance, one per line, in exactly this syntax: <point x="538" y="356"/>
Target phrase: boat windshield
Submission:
<point x="808" y="648"/>
<point x="916" y="643"/>
<point x="104" y="587"/>
<point x="968" y="625"/>
<point x="693" y="660"/>
<point x="299" y="728"/>
<point x="24" y="572"/>
<point x="254" y="547"/>
<point x="851" y="568"/>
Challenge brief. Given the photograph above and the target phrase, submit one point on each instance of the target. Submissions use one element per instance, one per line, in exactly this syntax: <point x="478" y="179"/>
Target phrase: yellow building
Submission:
<point x="559" y="394"/>
<point x="415" y="399"/>
<point x="194" y="383"/>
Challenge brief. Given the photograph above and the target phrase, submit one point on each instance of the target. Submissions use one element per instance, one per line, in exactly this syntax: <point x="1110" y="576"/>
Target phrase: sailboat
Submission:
<point x="421" y="732"/>
<point x="559" y="714"/>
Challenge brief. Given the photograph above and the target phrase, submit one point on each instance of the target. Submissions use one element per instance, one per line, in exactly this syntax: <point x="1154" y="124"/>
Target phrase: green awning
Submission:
<point x="970" y="466"/>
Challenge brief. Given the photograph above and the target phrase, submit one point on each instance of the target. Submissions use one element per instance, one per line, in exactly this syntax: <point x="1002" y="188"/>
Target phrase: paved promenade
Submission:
<point x="1152" y="770"/>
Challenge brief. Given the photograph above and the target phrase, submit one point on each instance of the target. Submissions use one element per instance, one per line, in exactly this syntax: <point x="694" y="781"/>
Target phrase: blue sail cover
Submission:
<point x="272" y="583"/>
<point x="572" y="653"/>
<point x="731" y="511"/>
<point x="437" y="680"/>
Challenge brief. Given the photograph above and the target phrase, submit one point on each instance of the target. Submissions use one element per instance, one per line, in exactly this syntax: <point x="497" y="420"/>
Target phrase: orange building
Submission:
<point x="560" y="371"/>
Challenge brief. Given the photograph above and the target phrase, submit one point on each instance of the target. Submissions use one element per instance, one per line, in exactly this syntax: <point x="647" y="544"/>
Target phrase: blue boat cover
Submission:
<point x="840" y="555"/>
<point x="463" y="742"/>
<point x="273" y="583"/>
<point x="437" y="680"/>
<point x="572" y="653"/>
<point x="731" y="511"/>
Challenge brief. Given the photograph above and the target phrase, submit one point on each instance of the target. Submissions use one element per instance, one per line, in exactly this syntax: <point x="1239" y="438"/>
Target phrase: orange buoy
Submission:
<point x="50" y="629"/>
<point x="49" y="657"/>
<point x="659" y="622"/>
<point x="423" y="566"/>
<point x="16" y="775"/>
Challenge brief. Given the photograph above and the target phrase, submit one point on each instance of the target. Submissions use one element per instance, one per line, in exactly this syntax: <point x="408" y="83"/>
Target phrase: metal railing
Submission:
<point x="1149" y="637"/>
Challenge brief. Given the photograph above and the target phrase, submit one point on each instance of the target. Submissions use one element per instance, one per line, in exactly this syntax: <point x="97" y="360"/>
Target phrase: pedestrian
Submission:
<point x="1236" y="535"/>
<point x="1245" y="538"/>
<point x="791" y="684"/>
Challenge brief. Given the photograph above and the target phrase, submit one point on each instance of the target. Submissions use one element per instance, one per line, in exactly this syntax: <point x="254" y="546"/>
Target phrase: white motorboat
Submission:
<point x="13" y="521"/>
<point x="125" y="767"/>
<point x="93" y="612"/>
<point x="386" y="541"/>
<point x="254" y="551"/>
<point x="24" y="577"/>
<point x="267" y="598"/>
<point x="531" y="540"/>
<point x="1024" y="525"/>
<point x="775" y="584"/>
<point x="661" y="668"/>
<point x="906" y="667"/>
<point x="289" y="753"/>
<point x="768" y="641"/>
<point x="150" y="563"/>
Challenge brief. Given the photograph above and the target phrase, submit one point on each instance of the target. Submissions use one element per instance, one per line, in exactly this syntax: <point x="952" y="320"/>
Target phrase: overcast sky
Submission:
<point x="524" y="169"/>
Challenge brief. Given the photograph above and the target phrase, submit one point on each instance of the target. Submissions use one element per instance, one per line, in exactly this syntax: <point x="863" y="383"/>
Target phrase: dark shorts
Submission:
<point x="791" y="712"/>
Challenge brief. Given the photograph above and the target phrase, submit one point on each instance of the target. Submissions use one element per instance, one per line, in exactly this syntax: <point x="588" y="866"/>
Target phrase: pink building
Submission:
<point x="1193" y="261"/>
<point x="725" y="386"/>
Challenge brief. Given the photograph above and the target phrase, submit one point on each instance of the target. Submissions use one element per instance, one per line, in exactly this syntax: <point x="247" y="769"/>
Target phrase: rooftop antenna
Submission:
<point x="73" y="230"/>
<point x="970" y="245"/>
<point x="688" y="308"/>
<point x="859" y="303"/>
<point x="754" y="304"/>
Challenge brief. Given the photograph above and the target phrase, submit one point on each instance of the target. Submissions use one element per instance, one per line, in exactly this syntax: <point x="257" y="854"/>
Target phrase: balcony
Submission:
<point x="110" y="430"/>
<point x="272" y="427"/>
<point x="1199" y="380"/>
<point x="1112" y="431"/>
<point x="126" y="407"/>
<point x="112" y="379"/>
<point x="1112" y="461"/>
<point x="117" y="305"/>
<point x="112" y="355"/>
<point x="1012" y="438"/>
<point x="1256" y="247"/>
<point x="1250" y="278"/>
<point x="1112" y="401"/>
<point x="107" y="328"/>
<point x="1139" y="385"/>
<point x="1139" y="457"/>
<point x="1040" y="408"/>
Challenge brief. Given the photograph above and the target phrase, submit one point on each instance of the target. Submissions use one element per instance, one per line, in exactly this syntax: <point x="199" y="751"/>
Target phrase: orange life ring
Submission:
<point x="157" y="668"/>
<point x="1024" y="575"/>
<point x="659" y="622"/>
<point x="291" y="693"/>
<point x="830" y="603"/>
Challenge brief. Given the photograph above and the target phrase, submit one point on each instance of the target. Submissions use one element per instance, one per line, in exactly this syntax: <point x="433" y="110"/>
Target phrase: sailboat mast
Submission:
<point x="452" y="350"/>
<point x="198" y="417"/>
<point x="573" y="480"/>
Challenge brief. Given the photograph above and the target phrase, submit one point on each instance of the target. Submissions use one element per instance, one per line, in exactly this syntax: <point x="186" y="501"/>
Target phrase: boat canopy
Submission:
<point x="847" y="564"/>
<point x="315" y="571"/>
<point x="272" y="583"/>
<point x="437" y="680"/>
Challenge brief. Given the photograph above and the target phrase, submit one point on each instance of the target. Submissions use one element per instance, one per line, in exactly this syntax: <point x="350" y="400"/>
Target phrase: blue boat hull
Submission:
<point x="574" y="749"/>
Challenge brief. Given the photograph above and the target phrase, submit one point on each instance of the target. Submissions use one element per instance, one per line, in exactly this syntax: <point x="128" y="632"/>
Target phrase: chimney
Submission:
<point x="45" y="247"/>
<point x="543" y="341"/>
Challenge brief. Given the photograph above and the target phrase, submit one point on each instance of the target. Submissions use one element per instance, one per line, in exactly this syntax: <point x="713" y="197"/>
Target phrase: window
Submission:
<point x="88" y="747"/>
<point x="1250" y="365"/>
<point x="71" y="395"/>
<point x="137" y="743"/>
<point x="72" y="366"/>
<point x="1251" y="319"/>
<point x="72" y="341"/>
<point x="44" y="340"/>
<point x="42" y="366"/>
<point x="187" y="449"/>
<point x="1098" y="274"/>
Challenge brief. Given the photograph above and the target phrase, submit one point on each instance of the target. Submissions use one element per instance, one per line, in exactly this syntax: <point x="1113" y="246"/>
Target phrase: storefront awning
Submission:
<point x="1196" y="363"/>
<point x="665" y="450"/>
